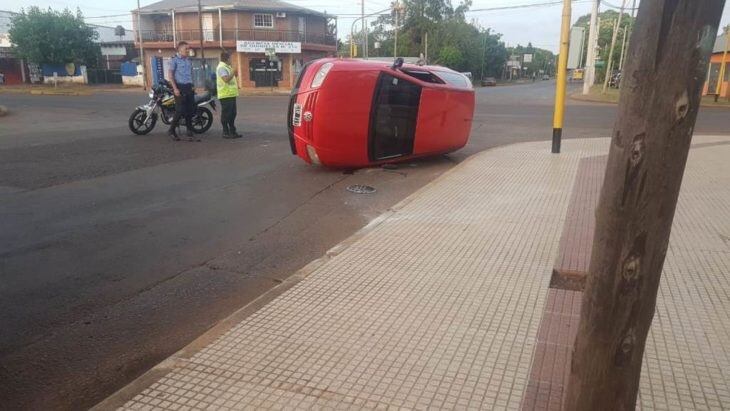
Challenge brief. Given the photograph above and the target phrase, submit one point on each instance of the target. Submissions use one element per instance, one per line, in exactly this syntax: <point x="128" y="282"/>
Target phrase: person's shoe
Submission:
<point x="232" y="135"/>
<point x="173" y="135"/>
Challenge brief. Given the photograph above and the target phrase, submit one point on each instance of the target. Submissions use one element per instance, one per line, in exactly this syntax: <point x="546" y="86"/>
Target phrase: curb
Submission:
<point x="182" y="357"/>
<point x="60" y="93"/>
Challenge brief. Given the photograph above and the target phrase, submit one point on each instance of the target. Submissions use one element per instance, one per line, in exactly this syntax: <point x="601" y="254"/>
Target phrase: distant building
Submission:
<point x="714" y="71"/>
<point x="115" y="49"/>
<point x="249" y="29"/>
<point x="12" y="69"/>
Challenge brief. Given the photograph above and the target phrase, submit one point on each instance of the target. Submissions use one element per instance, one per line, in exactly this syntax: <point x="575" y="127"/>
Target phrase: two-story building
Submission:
<point x="251" y="30"/>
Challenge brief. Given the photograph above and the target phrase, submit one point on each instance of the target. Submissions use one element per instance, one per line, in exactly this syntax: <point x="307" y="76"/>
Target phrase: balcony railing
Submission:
<point x="193" y="36"/>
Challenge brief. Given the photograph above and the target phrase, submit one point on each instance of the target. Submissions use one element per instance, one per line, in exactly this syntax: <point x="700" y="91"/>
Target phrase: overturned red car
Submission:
<point x="358" y="113"/>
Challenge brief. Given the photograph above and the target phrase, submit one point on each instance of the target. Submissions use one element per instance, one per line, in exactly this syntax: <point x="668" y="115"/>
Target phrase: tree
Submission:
<point x="119" y="31"/>
<point x="452" y="41"/>
<point x="53" y="37"/>
<point x="605" y="32"/>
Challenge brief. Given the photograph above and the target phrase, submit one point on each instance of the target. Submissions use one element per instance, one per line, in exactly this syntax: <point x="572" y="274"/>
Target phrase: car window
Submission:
<point x="455" y="79"/>
<point x="301" y="75"/>
<point x="423" y="75"/>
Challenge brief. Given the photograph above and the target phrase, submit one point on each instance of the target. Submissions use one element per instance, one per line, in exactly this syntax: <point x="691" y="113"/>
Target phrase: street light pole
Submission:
<point x="559" y="114"/>
<point x="202" y="47"/>
<point x="591" y="57"/>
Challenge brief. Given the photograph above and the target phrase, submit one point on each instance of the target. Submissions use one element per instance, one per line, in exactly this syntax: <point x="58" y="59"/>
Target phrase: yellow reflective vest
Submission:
<point x="226" y="89"/>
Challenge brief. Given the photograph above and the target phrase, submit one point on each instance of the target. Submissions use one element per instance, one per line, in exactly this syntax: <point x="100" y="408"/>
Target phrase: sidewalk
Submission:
<point x="445" y="302"/>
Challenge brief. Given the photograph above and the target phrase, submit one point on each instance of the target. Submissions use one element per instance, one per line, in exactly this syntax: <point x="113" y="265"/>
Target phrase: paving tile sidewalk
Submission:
<point x="438" y="304"/>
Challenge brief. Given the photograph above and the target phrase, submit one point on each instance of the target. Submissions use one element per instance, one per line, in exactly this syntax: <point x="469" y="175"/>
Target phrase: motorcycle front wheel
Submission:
<point x="202" y="120"/>
<point x="139" y="124"/>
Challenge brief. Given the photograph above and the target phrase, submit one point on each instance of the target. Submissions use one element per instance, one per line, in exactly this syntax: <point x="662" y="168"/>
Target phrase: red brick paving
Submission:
<point x="559" y="324"/>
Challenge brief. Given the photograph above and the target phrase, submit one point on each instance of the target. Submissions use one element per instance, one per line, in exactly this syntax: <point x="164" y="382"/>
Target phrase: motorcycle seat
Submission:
<point x="202" y="97"/>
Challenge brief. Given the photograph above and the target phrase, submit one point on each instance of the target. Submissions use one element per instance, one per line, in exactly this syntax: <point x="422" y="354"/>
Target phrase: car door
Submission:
<point x="393" y="117"/>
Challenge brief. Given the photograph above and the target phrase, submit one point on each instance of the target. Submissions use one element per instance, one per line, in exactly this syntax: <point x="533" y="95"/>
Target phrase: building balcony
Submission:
<point x="158" y="38"/>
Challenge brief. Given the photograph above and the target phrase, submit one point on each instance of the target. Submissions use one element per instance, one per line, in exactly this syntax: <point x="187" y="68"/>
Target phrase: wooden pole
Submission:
<point x="666" y="68"/>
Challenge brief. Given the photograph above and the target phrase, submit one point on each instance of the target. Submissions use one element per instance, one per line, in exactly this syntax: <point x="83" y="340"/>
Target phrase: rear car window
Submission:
<point x="455" y="79"/>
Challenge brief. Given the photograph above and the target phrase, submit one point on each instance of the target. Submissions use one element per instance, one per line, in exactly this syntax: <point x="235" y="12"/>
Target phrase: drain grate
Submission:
<point x="360" y="189"/>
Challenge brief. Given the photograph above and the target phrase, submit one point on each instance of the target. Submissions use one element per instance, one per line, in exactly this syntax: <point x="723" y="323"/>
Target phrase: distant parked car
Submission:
<point x="545" y="77"/>
<point x="489" y="82"/>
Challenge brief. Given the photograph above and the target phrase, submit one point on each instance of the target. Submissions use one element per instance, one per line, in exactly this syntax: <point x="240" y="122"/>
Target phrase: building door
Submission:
<point x="264" y="72"/>
<point x="208" y="31"/>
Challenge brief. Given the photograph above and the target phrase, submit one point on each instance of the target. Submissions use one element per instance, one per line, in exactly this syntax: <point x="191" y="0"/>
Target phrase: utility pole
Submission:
<point x="590" y="74"/>
<point x="721" y="74"/>
<point x="562" y="74"/>
<point x="646" y="161"/>
<point x="202" y="47"/>
<point x="395" y="41"/>
<point x="484" y="54"/>
<point x="630" y="28"/>
<point x="141" y="47"/>
<point x="609" y="63"/>
<point x="364" y="30"/>
<point x="426" y="47"/>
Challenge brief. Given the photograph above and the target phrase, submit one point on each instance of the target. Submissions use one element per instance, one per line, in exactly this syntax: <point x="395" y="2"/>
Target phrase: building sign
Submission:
<point x="252" y="46"/>
<point x="5" y="40"/>
<point x="527" y="58"/>
<point x="575" y="53"/>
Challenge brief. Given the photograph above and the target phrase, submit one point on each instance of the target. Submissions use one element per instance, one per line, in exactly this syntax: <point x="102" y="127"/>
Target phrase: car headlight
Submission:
<point x="321" y="75"/>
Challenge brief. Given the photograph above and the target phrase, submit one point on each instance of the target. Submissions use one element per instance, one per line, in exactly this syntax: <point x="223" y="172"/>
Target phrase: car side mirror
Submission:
<point x="398" y="63"/>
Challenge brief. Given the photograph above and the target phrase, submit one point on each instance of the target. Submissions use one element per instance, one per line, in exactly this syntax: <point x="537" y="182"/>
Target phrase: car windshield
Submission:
<point x="455" y="79"/>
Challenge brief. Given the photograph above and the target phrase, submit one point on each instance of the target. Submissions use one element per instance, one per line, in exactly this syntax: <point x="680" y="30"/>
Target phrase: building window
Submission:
<point x="263" y="21"/>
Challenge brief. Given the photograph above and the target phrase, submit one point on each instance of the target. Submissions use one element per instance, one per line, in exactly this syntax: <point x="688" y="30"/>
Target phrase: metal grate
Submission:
<point x="361" y="189"/>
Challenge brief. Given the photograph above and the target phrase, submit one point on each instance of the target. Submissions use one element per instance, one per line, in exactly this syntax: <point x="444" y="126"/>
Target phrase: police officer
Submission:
<point x="181" y="77"/>
<point x="227" y="92"/>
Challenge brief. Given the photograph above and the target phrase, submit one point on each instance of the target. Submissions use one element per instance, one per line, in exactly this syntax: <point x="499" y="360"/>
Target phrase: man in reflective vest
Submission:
<point x="227" y="92"/>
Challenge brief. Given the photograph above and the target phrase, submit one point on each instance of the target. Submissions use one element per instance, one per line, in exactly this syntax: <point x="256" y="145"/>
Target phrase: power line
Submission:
<point x="523" y="6"/>
<point x="111" y="15"/>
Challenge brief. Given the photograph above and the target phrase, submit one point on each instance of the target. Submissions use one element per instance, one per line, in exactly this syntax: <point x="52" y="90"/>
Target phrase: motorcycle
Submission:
<point x="162" y="100"/>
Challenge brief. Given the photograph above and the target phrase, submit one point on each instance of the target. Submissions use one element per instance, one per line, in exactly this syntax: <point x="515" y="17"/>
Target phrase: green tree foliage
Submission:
<point x="56" y="37"/>
<point x="452" y="41"/>
<point x="543" y="61"/>
<point x="608" y="20"/>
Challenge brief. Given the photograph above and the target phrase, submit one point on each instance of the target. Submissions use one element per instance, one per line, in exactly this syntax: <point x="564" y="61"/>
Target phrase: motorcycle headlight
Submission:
<point x="151" y="94"/>
<point x="321" y="75"/>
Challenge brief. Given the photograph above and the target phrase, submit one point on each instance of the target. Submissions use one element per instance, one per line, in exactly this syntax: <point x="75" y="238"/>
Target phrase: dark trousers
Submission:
<point x="184" y="106"/>
<point x="228" y="115"/>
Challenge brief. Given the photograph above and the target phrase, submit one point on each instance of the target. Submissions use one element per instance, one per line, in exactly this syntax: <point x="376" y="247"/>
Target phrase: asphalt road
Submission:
<point x="117" y="250"/>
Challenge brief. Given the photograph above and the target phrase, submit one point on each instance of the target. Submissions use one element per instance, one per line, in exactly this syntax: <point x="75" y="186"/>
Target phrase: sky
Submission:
<point x="539" y="25"/>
